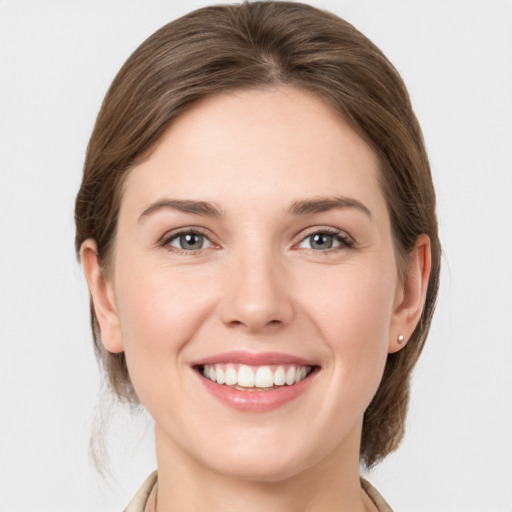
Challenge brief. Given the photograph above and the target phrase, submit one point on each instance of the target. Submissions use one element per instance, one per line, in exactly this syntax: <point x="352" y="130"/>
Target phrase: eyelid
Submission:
<point x="347" y="240"/>
<point x="164" y="240"/>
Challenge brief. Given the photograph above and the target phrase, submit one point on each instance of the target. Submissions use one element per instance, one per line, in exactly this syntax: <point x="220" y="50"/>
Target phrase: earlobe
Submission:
<point x="412" y="294"/>
<point x="102" y="297"/>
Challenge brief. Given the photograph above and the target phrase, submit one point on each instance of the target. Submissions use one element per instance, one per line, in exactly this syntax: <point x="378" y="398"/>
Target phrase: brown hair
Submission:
<point x="254" y="45"/>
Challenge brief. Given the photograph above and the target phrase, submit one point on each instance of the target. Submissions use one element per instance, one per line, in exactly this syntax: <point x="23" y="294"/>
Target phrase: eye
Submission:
<point x="325" y="240"/>
<point x="189" y="241"/>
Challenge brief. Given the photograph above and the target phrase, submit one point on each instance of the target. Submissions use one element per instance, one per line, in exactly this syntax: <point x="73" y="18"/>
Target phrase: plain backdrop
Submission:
<point x="57" y="59"/>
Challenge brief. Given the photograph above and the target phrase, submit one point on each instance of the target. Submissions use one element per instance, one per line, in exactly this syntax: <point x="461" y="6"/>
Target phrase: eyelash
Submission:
<point x="340" y="236"/>
<point x="168" y="238"/>
<point x="344" y="240"/>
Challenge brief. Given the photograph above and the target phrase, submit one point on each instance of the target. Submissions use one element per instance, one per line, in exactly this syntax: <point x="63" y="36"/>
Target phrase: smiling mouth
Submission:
<point x="255" y="378"/>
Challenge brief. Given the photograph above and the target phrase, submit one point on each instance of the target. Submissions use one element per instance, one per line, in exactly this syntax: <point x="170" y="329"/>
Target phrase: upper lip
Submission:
<point x="254" y="359"/>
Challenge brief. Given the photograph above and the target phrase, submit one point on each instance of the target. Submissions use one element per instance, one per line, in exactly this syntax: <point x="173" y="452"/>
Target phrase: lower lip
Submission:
<point x="256" y="401"/>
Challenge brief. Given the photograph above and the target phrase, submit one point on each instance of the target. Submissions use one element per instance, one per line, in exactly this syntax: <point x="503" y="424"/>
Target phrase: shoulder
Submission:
<point x="380" y="502"/>
<point x="138" y="502"/>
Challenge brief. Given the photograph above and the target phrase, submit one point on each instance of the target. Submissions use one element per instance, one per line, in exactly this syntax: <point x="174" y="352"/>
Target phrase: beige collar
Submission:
<point x="145" y="499"/>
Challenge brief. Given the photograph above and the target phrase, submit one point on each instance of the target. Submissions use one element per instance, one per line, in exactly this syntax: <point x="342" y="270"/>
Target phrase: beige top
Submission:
<point x="140" y="500"/>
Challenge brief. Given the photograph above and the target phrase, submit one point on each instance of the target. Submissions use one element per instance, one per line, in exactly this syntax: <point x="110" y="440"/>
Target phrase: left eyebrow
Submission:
<point x="203" y="208"/>
<point x="323" y="204"/>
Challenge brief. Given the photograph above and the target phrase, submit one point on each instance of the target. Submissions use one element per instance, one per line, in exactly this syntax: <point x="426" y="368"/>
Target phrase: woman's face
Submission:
<point x="254" y="246"/>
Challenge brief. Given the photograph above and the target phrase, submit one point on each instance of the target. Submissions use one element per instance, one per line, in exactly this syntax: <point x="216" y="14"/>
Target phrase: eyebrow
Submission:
<point x="301" y="207"/>
<point x="203" y="208"/>
<point x="322" y="204"/>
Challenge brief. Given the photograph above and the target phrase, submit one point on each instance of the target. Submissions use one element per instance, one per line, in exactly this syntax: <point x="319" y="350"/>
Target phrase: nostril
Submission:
<point x="255" y="326"/>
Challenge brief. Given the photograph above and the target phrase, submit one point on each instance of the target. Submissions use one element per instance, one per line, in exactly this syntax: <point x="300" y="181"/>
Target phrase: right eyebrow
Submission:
<point x="203" y="208"/>
<point x="323" y="204"/>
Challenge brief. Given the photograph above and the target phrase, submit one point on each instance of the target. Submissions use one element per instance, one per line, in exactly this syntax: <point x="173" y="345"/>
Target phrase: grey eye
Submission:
<point x="190" y="241"/>
<point x="321" y="241"/>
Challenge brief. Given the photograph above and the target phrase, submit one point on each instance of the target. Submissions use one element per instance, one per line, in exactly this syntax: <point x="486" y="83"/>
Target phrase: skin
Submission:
<point x="257" y="285"/>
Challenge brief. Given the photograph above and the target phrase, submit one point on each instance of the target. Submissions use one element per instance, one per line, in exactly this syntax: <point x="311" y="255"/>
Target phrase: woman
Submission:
<point x="257" y="226"/>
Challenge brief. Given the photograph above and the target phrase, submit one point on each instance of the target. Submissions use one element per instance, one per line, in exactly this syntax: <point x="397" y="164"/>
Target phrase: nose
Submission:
<point x="256" y="293"/>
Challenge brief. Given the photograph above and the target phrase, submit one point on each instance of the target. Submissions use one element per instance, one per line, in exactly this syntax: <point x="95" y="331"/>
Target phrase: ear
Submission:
<point x="102" y="295"/>
<point x="411" y="294"/>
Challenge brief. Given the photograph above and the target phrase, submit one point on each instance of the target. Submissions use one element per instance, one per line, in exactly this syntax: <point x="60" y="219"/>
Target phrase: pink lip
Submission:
<point x="251" y="359"/>
<point x="255" y="401"/>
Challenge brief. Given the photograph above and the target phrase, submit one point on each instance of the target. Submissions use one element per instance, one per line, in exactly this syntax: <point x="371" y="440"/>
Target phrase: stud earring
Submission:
<point x="400" y="339"/>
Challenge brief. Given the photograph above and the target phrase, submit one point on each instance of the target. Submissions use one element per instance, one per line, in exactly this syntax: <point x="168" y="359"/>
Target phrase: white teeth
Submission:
<point x="290" y="376"/>
<point x="245" y="376"/>
<point x="260" y="377"/>
<point x="231" y="376"/>
<point x="220" y="376"/>
<point x="264" y="377"/>
<point x="279" y="376"/>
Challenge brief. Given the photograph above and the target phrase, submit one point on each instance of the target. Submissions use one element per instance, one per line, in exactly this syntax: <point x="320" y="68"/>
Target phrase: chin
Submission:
<point x="267" y="455"/>
<point x="266" y="469"/>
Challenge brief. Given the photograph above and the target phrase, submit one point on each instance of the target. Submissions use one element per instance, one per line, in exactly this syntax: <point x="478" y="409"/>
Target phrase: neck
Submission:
<point x="329" y="485"/>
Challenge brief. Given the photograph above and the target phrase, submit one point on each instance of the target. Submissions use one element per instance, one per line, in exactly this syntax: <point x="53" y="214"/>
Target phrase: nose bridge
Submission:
<point x="255" y="293"/>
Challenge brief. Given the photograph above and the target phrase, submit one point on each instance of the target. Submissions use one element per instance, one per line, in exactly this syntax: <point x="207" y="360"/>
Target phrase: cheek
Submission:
<point x="354" y="318"/>
<point x="160" y="311"/>
<point x="354" y="304"/>
<point x="159" y="307"/>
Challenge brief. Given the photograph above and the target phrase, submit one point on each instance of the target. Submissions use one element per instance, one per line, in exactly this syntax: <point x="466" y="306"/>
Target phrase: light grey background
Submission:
<point x="57" y="59"/>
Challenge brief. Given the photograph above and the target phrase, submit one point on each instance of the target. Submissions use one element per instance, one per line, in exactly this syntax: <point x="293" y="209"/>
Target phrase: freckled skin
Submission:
<point x="257" y="285"/>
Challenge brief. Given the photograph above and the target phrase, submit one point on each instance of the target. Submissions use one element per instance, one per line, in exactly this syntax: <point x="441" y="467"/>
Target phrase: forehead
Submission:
<point x="250" y="144"/>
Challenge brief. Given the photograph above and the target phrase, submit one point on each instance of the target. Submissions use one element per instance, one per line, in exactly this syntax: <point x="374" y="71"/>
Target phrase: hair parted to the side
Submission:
<point x="256" y="45"/>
